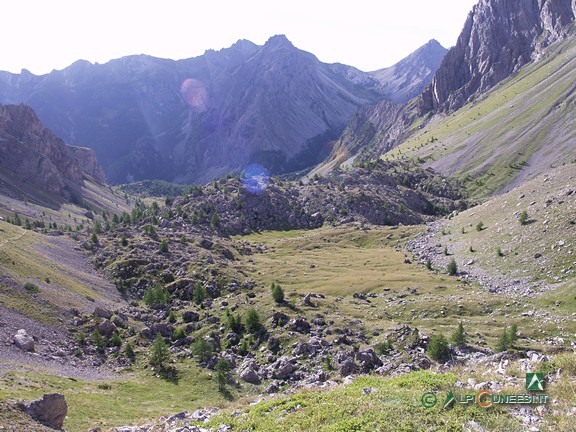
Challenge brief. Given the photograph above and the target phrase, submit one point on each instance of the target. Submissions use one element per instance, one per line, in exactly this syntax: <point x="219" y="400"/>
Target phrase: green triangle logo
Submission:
<point x="534" y="381"/>
<point x="449" y="399"/>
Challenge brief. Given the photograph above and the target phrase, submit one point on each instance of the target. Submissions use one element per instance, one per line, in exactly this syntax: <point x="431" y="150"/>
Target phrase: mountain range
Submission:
<point x="193" y="120"/>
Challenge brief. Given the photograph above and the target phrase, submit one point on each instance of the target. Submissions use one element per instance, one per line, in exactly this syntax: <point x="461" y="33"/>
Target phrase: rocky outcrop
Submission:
<point x="86" y="159"/>
<point x="499" y="37"/>
<point x="36" y="155"/>
<point x="50" y="410"/>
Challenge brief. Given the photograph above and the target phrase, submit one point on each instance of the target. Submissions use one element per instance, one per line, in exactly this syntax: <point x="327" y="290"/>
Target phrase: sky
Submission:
<point x="42" y="35"/>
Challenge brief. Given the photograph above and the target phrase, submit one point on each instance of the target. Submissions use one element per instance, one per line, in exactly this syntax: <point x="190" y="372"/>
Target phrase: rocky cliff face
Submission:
<point x="499" y="37"/>
<point x="408" y="78"/>
<point x="36" y="155"/>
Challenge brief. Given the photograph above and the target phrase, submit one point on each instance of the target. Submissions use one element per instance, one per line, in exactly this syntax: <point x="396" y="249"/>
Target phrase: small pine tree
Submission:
<point x="252" y="321"/>
<point x="446" y="251"/>
<point x="199" y="293"/>
<point x="171" y="317"/>
<point x="513" y="335"/>
<point x="222" y="369"/>
<point x="480" y="226"/>
<point x="234" y="323"/>
<point x="99" y="341"/>
<point x="159" y="355"/>
<point x="215" y="221"/>
<point x="503" y="341"/>
<point x="123" y="240"/>
<point x="202" y="350"/>
<point x="156" y="295"/>
<point x="499" y="252"/>
<point x="459" y="337"/>
<point x="438" y="348"/>
<point x="523" y="218"/>
<point x="277" y="293"/>
<point x="244" y="347"/>
<point x="115" y="340"/>
<point x="163" y="246"/>
<point x="452" y="267"/>
<point x="428" y="264"/>
<point x="129" y="351"/>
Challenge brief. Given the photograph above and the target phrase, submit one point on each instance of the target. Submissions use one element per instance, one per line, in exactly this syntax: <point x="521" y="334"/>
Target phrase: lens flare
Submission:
<point x="195" y="94"/>
<point x="255" y="178"/>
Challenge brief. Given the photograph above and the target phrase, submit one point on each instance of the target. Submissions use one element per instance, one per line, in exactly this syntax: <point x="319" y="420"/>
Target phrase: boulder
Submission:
<point x="190" y="316"/>
<point x="50" y="410"/>
<point x="249" y="375"/>
<point x="23" y="341"/>
<point x="300" y="325"/>
<point x="106" y="327"/>
<point x="100" y="312"/>
<point x="348" y="367"/>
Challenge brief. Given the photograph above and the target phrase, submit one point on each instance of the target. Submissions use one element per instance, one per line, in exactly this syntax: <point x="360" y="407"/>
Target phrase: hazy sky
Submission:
<point x="41" y="35"/>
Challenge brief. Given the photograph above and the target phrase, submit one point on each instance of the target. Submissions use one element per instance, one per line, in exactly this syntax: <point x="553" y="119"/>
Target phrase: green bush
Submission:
<point x="234" y="323"/>
<point x="438" y="348"/>
<point x="99" y="341"/>
<point x="115" y="340"/>
<point x="179" y="333"/>
<point x="523" y="218"/>
<point x="156" y="295"/>
<point x="452" y="267"/>
<point x="199" y="293"/>
<point x="163" y="246"/>
<point x="129" y="351"/>
<point x="277" y="293"/>
<point x="252" y="321"/>
<point x="80" y="338"/>
<point x="202" y="350"/>
<point x="383" y="347"/>
<point x="480" y="226"/>
<point x="31" y="288"/>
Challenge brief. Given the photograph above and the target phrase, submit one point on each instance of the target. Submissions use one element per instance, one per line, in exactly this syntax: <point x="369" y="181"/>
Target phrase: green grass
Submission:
<point x="347" y="260"/>
<point x="393" y="404"/>
<point x="132" y="398"/>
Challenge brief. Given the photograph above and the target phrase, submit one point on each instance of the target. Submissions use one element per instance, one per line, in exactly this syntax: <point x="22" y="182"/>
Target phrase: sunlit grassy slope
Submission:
<point x="521" y="128"/>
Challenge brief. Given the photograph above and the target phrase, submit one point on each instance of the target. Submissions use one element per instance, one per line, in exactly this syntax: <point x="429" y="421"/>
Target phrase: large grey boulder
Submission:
<point x="50" y="410"/>
<point x="23" y="341"/>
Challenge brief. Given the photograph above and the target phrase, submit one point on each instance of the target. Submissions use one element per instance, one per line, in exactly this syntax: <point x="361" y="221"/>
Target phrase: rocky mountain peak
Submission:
<point x="407" y="78"/>
<point x="278" y="42"/>
<point x="498" y="38"/>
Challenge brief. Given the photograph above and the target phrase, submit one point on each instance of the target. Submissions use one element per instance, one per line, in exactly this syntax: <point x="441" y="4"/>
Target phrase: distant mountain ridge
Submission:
<point x="408" y="78"/>
<point x="196" y="119"/>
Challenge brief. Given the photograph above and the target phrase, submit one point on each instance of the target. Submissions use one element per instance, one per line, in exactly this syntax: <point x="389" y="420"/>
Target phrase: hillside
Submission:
<point x="509" y="256"/>
<point x="520" y="129"/>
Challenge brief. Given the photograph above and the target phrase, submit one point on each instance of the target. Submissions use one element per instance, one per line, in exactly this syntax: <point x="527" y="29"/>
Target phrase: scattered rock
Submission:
<point x="50" y="410"/>
<point x="23" y="341"/>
